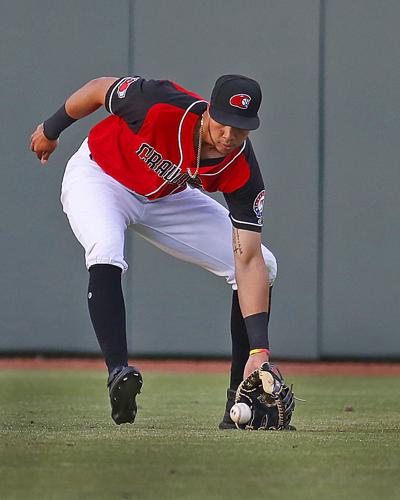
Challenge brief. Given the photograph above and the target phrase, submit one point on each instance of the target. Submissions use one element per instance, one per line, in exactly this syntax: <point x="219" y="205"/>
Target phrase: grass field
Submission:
<point x="58" y="442"/>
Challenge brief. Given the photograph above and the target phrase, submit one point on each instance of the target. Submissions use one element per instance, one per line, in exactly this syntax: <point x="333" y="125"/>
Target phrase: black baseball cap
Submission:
<point x="235" y="101"/>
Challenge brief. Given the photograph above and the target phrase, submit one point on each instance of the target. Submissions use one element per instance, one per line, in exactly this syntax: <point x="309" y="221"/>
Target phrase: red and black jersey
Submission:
<point x="147" y="145"/>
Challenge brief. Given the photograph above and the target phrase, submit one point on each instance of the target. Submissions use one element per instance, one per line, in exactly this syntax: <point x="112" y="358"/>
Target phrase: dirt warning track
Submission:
<point x="212" y="366"/>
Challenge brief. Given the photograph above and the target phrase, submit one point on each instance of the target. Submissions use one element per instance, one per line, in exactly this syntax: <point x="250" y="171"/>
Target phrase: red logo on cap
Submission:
<point x="124" y="85"/>
<point x="241" y="101"/>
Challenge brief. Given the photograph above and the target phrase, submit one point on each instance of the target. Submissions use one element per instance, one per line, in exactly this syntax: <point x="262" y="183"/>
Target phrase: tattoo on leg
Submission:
<point x="237" y="247"/>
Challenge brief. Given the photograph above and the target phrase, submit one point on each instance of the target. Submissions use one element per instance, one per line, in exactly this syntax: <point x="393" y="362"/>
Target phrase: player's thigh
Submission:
<point x="195" y="228"/>
<point x="98" y="209"/>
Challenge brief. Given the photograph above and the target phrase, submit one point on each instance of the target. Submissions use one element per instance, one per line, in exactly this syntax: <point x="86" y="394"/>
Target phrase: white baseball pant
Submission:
<point x="188" y="225"/>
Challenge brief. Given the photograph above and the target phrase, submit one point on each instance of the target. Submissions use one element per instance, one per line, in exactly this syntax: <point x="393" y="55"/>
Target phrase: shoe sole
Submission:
<point x="223" y="426"/>
<point x="123" y="392"/>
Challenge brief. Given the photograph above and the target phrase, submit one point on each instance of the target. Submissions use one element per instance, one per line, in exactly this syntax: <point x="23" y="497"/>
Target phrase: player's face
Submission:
<point x="226" y="138"/>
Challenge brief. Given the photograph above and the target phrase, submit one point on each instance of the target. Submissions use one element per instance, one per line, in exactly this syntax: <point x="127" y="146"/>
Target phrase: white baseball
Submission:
<point x="240" y="413"/>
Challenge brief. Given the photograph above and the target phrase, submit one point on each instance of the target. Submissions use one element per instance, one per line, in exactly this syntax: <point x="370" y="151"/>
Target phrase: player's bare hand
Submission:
<point x="42" y="146"/>
<point x="254" y="362"/>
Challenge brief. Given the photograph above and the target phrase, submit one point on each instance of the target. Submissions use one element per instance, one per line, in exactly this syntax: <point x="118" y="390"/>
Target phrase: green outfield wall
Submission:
<point x="328" y="149"/>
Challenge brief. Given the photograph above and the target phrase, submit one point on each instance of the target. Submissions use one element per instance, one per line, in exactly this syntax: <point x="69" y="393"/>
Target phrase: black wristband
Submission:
<point x="58" y="122"/>
<point x="257" y="330"/>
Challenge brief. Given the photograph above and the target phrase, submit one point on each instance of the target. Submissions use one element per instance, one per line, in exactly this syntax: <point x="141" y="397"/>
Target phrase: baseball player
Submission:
<point x="147" y="167"/>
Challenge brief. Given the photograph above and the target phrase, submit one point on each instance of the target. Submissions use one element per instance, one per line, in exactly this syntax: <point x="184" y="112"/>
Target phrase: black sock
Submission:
<point x="107" y="312"/>
<point x="240" y="341"/>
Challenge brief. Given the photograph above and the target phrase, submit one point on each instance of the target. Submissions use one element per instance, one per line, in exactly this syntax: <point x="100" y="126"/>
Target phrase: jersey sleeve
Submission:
<point x="246" y="203"/>
<point x="131" y="97"/>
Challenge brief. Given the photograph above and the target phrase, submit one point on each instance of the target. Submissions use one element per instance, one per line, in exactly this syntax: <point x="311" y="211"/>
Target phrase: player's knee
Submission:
<point x="271" y="264"/>
<point x="105" y="252"/>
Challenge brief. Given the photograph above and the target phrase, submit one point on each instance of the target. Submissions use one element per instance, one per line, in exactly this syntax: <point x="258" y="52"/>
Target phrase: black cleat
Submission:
<point x="124" y="384"/>
<point x="226" y="422"/>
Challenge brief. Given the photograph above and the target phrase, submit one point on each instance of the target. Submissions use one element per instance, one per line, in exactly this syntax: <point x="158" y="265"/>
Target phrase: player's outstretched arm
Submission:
<point x="83" y="102"/>
<point x="253" y="289"/>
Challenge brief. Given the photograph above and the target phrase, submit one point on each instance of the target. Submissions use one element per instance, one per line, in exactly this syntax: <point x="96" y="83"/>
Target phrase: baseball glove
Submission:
<point x="271" y="401"/>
